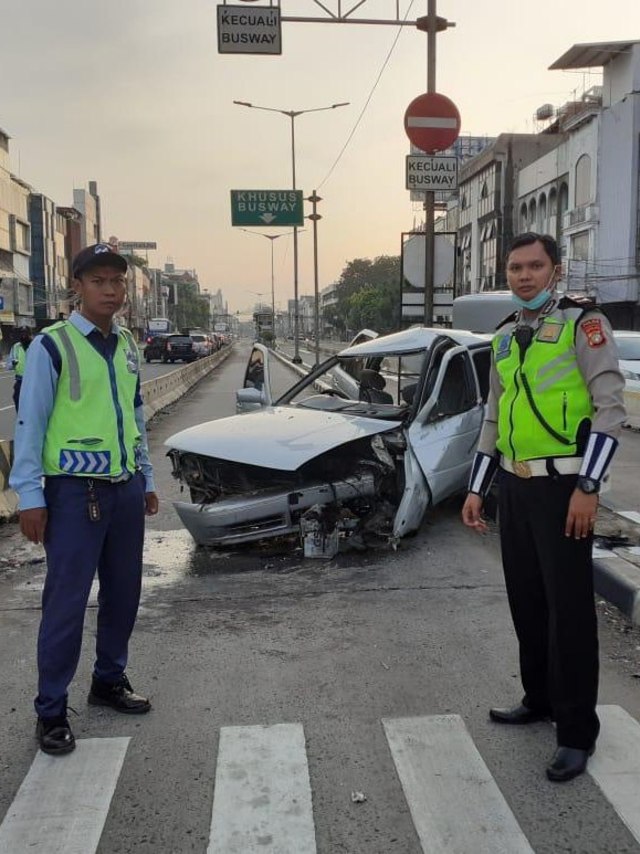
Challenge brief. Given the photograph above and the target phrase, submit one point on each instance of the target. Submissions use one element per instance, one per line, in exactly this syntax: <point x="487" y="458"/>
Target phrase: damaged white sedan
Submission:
<point x="360" y="447"/>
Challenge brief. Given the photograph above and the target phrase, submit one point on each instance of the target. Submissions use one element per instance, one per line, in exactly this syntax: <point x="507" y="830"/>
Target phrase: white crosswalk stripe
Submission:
<point x="62" y="804"/>
<point x="615" y="766"/>
<point x="454" y="801"/>
<point x="262" y="795"/>
<point x="262" y="799"/>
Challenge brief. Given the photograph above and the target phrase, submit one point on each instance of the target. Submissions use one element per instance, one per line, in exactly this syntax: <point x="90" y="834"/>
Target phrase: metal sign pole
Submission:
<point x="314" y="198"/>
<point x="429" y="199"/>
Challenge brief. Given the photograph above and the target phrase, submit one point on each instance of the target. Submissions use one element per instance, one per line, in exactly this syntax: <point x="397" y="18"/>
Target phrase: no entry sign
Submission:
<point x="432" y="122"/>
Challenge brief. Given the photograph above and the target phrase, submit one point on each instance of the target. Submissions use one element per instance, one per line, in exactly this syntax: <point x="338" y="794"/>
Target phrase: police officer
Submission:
<point x="81" y="426"/>
<point x="554" y="412"/>
<point x="17" y="361"/>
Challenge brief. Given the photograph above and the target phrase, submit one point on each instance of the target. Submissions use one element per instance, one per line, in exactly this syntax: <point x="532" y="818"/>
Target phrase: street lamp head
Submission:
<point x="243" y="103"/>
<point x="341" y="104"/>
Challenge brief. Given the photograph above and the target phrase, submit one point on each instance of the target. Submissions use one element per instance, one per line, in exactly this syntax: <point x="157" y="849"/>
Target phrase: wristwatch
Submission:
<point x="588" y="485"/>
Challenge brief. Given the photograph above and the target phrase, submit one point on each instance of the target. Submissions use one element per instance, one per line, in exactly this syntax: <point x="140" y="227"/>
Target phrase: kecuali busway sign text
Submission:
<point x="432" y="172"/>
<point x="243" y="29"/>
<point x="267" y="207"/>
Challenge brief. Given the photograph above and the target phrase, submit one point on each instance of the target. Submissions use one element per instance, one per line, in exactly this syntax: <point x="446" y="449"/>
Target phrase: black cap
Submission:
<point x="100" y="255"/>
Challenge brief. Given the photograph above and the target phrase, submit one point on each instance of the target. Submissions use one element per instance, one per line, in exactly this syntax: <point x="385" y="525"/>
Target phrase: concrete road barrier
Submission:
<point x="156" y="395"/>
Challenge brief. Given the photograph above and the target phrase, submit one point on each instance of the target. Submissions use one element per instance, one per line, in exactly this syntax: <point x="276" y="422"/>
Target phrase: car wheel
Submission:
<point x="164" y="360"/>
<point x="147" y="359"/>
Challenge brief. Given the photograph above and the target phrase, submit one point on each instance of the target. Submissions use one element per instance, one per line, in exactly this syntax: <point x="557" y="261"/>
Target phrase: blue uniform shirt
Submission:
<point x="36" y="405"/>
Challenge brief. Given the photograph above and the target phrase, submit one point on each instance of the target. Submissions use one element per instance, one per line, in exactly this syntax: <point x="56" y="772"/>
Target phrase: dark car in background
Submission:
<point x="170" y="348"/>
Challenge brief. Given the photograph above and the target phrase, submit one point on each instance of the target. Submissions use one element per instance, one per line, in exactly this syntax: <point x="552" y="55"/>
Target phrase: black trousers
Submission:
<point x="17" y="385"/>
<point x="549" y="580"/>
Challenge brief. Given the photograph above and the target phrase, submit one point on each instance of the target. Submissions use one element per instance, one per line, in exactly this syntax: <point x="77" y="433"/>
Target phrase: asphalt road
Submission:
<point x="325" y="662"/>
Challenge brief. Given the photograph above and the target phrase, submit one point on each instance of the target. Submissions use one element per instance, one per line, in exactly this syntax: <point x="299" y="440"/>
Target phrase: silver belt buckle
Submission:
<point x="521" y="468"/>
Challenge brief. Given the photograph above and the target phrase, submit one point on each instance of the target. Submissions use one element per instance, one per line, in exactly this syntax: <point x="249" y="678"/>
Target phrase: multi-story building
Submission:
<point x="42" y="267"/>
<point x="483" y="212"/>
<point x="88" y="203"/>
<point x="16" y="292"/>
<point x="587" y="192"/>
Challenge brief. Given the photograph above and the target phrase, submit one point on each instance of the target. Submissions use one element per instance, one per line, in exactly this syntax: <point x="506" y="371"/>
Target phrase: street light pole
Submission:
<point x="293" y="115"/>
<point x="271" y="238"/>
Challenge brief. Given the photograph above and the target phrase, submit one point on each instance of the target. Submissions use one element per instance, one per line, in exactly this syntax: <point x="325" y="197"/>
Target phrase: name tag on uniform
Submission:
<point x="504" y="347"/>
<point x="549" y="333"/>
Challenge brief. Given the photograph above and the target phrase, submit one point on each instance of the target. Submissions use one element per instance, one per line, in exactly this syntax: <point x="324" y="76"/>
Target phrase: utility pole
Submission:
<point x="314" y="198"/>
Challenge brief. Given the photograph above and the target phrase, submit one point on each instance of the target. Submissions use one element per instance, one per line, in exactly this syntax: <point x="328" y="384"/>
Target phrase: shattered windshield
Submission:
<point x="382" y="384"/>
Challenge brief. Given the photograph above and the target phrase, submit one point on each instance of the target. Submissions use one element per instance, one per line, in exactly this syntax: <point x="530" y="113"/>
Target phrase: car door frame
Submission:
<point x="249" y="398"/>
<point x="435" y="443"/>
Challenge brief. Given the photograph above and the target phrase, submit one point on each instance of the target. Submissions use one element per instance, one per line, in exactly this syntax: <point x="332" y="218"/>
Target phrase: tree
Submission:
<point x="368" y="294"/>
<point x="192" y="310"/>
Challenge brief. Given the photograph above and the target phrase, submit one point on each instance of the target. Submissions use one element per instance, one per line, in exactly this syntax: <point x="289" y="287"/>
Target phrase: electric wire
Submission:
<point x="367" y="102"/>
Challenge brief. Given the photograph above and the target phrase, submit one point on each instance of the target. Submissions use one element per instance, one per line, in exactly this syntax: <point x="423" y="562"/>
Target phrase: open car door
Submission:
<point x="445" y="431"/>
<point x="256" y="388"/>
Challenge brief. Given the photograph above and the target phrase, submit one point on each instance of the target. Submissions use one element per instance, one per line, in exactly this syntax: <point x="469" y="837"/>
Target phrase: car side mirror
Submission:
<point x="250" y="395"/>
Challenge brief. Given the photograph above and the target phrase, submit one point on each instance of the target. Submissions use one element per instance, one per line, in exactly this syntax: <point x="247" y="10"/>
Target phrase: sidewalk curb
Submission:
<point x="618" y="581"/>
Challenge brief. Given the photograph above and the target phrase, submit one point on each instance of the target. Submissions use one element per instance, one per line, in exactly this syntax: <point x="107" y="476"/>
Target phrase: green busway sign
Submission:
<point x="267" y="207"/>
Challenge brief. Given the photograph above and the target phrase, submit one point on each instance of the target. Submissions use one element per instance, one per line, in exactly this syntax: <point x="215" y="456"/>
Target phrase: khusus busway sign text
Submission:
<point x="243" y="29"/>
<point x="267" y="207"/>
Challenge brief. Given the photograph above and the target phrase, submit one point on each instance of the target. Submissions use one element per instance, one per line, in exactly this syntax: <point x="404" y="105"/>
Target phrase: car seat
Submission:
<point x="371" y="387"/>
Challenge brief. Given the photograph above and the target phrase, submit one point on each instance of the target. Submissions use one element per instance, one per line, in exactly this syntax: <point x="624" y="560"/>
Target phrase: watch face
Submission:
<point x="585" y="484"/>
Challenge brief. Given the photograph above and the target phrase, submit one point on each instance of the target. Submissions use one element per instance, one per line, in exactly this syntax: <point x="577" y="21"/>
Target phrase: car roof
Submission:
<point x="415" y="338"/>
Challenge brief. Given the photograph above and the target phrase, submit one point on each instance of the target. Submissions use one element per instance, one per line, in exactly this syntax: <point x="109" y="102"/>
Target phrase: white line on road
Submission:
<point x="262" y="796"/>
<point x="616" y="764"/>
<point x="62" y="804"/>
<point x="2" y="408"/>
<point x="454" y="801"/>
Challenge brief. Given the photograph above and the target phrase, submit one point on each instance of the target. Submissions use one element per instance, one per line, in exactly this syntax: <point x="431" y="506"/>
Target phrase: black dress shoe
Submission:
<point x="517" y="715"/>
<point x="567" y="763"/>
<point x="119" y="696"/>
<point x="55" y="736"/>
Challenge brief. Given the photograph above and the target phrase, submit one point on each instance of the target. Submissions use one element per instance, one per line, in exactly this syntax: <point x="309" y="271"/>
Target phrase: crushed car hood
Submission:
<point x="277" y="437"/>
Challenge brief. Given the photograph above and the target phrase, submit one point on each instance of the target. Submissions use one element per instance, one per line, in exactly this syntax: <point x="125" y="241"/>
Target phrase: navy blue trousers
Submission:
<point x="75" y="547"/>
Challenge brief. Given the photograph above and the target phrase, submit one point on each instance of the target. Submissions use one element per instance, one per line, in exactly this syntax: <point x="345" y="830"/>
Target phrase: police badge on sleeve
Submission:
<point x="592" y="328"/>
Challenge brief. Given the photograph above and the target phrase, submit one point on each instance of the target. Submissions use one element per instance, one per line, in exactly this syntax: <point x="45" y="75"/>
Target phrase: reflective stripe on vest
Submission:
<point x="92" y="429"/>
<point x="557" y="387"/>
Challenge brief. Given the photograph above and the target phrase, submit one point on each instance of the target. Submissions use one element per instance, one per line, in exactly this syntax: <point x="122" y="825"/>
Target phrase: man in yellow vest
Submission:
<point x="17" y="361"/>
<point x="81" y="428"/>
<point x="554" y="412"/>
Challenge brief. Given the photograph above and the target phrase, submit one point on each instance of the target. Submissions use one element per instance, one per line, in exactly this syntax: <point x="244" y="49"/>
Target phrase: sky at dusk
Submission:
<point x="133" y="94"/>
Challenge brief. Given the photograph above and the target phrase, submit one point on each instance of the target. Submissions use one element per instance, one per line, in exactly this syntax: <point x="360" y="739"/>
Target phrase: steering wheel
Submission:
<point x="334" y="392"/>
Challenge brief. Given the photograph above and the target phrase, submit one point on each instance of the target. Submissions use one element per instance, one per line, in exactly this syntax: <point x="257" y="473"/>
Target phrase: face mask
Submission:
<point x="538" y="300"/>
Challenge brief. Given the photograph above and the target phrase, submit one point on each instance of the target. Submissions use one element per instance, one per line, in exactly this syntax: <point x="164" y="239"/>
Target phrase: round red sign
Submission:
<point x="432" y="122"/>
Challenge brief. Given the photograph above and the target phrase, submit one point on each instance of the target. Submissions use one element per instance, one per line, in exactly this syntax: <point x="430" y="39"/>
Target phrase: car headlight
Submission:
<point x="630" y="375"/>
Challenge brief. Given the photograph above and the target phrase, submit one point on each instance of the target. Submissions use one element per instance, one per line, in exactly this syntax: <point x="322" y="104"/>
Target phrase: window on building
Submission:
<point x="488" y="256"/>
<point x="580" y="246"/>
<point x="533" y="213"/>
<point x="563" y="200"/>
<point x="542" y="214"/>
<point x="524" y="217"/>
<point x="583" y="181"/>
<point x="553" y="202"/>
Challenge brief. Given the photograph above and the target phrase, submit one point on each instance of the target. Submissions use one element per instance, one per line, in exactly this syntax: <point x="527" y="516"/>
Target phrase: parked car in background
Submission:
<point x="364" y="444"/>
<point x="170" y="348"/>
<point x="628" y="344"/>
<point x="202" y="344"/>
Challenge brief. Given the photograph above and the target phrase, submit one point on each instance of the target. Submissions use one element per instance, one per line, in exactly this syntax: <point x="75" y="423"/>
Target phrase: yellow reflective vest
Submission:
<point x="92" y="430"/>
<point x="545" y="397"/>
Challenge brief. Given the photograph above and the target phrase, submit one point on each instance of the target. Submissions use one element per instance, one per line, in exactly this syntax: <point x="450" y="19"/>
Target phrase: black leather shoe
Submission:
<point x="567" y="763"/>
<point x="119" y="696"/>
<point x="517" y="715"/>
<point x="54" y="735"/>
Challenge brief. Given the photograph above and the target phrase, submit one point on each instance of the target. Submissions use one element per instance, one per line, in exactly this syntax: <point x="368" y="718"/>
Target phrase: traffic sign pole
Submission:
<point x="429" y="199"/>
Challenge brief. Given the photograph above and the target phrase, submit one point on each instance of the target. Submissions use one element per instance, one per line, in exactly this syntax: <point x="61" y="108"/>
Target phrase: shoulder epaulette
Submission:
<point x="585" y="303"/>
<point x="509" y="319"/>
